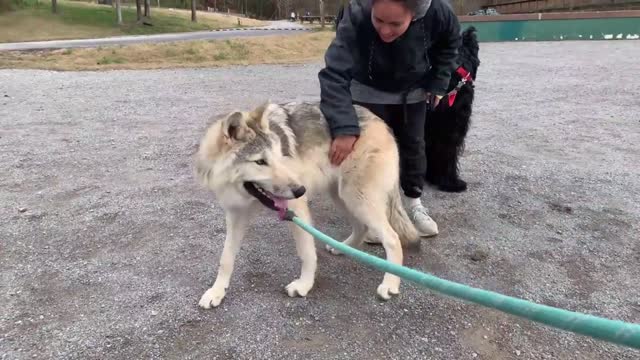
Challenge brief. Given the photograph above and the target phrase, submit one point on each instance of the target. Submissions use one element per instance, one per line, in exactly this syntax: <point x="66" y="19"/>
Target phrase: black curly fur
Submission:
<point x="446" y="127"/>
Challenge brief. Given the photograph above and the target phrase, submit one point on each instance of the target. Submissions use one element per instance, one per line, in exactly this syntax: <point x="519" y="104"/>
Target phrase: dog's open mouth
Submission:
<point x="266" y="198"/>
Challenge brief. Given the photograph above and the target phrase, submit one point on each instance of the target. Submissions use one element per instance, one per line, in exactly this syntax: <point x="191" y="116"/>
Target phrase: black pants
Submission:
<point x="409" y="135"/>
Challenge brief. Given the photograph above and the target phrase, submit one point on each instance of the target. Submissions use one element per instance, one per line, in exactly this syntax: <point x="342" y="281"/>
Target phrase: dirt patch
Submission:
<point x="277" y="49"/>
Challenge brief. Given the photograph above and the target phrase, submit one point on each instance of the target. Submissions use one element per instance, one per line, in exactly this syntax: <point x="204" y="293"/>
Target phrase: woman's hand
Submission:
<point x="341" y="147"/>
<point x="434" y="100"/>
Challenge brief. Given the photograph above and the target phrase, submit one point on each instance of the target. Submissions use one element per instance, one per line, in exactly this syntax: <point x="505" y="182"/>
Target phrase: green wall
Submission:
<point x="550" y="30"/>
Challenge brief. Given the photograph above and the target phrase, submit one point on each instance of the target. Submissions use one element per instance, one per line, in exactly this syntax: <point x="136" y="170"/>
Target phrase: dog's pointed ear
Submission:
<point x="260" y="115"/>
<point x="235" y="127"/>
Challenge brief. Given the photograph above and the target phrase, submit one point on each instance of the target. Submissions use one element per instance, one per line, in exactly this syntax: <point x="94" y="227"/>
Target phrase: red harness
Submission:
<point x="465" y="77"/>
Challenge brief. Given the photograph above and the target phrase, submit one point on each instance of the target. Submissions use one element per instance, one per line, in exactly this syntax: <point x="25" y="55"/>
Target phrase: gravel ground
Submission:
<point x="107" y="243"/>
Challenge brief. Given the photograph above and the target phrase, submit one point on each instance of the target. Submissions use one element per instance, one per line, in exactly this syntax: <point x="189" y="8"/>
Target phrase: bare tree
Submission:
<point x="118" y="12"/>
<point x="193" y="11"/>
<point x="147" y="8"/>
<point x="322" y="14"/>
<point x="280" y="8"/>
<point x="139" y="10"/>
<point x="54" y="6"/>
<point x="283" y="8"/>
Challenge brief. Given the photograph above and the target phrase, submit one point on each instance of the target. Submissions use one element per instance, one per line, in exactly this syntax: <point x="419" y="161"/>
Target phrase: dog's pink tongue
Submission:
<point x="281" y="204"/>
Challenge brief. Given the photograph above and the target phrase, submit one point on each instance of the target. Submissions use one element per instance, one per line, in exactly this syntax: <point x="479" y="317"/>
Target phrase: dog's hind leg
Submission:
<point x="356" y="237"/>
<point x="450" y="181"/>
<point x="306" y="250"/>
<point x="354" y="240"/>
<point x="236" y="223"/>
<point x="370" y="210"/>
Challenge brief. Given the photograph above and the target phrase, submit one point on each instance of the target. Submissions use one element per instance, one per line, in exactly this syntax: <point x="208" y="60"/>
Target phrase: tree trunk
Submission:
<point x="54" y="6"/>
<point x="193" y="11"/>
<point x="139" y="10"/>
<point x="322" y="14"/>
<point x="118" y="12"/>
<point x="147" y="8"/>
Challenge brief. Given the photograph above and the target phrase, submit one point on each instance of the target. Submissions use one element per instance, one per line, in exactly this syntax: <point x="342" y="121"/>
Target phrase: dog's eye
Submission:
<point x="261" y="162"/>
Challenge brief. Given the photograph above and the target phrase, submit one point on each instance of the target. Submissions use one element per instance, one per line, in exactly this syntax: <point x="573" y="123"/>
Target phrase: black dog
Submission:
<point x="447" y="125"/>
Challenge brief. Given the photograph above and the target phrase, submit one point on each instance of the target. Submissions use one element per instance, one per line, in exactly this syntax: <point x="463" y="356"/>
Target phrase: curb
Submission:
<point x="261" y="28"/>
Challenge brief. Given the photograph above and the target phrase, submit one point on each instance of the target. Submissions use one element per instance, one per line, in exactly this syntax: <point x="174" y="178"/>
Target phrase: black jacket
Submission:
<point x="424" y="56"/>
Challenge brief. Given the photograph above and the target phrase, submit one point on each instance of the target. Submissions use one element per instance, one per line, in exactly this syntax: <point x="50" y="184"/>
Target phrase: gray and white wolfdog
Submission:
<point x="276" y="156"/>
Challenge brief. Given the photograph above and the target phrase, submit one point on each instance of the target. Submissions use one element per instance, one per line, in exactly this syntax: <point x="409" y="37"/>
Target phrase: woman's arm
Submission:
<point x="335" y="78"/>
<point x="444" y="52"/>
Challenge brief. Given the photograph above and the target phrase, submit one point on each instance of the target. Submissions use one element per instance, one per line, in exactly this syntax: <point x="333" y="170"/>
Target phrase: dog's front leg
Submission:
<point x="306" y="250"/>
<point x="236" y="222"/>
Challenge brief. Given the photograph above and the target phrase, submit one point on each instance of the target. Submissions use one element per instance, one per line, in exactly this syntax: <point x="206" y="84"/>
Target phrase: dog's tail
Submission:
<point x="400" y="221"/>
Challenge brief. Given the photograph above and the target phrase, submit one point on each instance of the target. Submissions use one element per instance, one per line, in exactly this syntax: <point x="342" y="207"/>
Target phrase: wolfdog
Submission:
<point x="276" y="156"/>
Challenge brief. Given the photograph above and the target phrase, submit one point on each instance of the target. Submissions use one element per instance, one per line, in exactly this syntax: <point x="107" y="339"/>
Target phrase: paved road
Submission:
<point x="276" y="27"/>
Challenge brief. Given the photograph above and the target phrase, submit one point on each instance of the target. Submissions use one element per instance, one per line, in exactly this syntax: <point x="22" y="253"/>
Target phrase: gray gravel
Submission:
<point x="107" y="243"/>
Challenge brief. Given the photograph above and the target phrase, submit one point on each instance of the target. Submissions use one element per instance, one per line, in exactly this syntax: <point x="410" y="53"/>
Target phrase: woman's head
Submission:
<point x="391" y="18"/>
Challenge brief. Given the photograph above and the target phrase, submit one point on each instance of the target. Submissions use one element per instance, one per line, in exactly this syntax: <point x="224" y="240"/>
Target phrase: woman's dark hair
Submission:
<point x="418" y="7"/>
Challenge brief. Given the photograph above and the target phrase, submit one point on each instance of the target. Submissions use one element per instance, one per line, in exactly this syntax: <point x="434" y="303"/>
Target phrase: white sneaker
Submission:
<point x="422" y="221"/>
<point x="420" y="218"/>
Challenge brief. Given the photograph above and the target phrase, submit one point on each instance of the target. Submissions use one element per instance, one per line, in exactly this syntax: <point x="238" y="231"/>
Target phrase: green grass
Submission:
<point x="176" y="4"/>
<point x="7" y="5"/>
<point x="104" y="16"/>
<point x="34" y="21"/>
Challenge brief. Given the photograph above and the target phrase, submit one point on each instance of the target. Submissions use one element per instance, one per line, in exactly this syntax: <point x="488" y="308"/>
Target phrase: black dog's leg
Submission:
<point x="442" y="164"/>
<point x="445" y="130"/>
<point x="450" y="180"/>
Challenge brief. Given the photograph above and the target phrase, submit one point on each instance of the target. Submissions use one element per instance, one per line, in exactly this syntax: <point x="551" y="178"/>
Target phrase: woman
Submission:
<point x="392" y="57"/>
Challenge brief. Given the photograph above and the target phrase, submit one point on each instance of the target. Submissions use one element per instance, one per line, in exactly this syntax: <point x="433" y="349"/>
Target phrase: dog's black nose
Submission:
<point x="298" y="191"/>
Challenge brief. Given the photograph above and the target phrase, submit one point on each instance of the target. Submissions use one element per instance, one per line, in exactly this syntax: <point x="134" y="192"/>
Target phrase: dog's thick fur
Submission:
<point x="278" y="153"/>
<point x="446" y="127"/>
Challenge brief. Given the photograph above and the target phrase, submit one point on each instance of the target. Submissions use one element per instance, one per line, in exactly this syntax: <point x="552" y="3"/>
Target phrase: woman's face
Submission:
<point x="390" y="19"/>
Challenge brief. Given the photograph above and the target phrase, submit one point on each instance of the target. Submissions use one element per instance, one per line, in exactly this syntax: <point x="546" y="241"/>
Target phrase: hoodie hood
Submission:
<point x="420" y="7"/>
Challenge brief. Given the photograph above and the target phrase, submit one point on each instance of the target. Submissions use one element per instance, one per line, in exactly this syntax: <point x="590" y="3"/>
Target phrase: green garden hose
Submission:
<point x="614" y="331"/>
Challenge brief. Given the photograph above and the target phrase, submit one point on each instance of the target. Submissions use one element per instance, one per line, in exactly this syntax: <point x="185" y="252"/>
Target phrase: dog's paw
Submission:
<point x="212" y="298"/>
<point x="298" y="288"/>
<point x="332" y="250"/>
<point x="385" y="291"/>
<point x="455" y="185"/>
